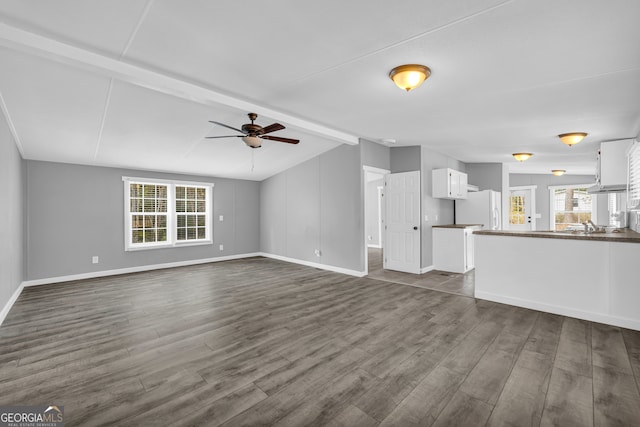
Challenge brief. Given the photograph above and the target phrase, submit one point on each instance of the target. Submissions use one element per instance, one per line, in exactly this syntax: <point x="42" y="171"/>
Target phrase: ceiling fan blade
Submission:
<point x="272" y="128"/>
<point x="227" y="126"/>
<point x="280" y="139"/>
<point x="224" y="136"/>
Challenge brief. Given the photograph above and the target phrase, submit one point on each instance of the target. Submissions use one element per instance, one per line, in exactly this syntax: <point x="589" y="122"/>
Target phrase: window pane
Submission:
<point x="179" y="192"/>
<point x="191" y="193"/>
<point x="180" y="205"/>
<point x="150" y="191"/>
<point x="136" y="236"/>
<point x="136" y="205"/>
<point x="135" y="190"/>
<point x="162" y="205"/>
<point x="201" y="233"/>
<point x="136" y="221"/>
<point x="182" y="234"/>
<point x="201" y="193"/>
<point x="162" y="191"/>
<point x="191" y="206"/>
<point x="191" y="233"/>
<point x="149" y="205"/>
<point x="201" y="219"/>
<point x="191" y="221"/>
<point x="182" y="221"/>
<point x="201" y="206"/>
<point x="162" y="235"/>
<point x="162" y="221"/>
<point x="149" y="235"/>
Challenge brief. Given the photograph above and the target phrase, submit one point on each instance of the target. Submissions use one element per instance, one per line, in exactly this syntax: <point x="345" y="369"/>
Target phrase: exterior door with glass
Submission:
<point x="520" y="210"/>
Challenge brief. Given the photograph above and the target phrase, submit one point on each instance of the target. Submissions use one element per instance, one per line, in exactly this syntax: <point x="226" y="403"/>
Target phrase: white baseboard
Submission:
<point x="375" y="246"/>
<point x="136" y="269"/>
<point x="564" y="311"/>
<point x="315" y="265"/>
<point x="9" y="304"/>
<point x="427" y="269"/>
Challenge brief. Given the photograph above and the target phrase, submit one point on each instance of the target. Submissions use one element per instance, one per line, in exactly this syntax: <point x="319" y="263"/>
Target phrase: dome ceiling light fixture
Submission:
<point x="409" y="76"/>
<point x="521" y="157"/>
<point x="558" y="172"/>
<point x="572" y="138"/>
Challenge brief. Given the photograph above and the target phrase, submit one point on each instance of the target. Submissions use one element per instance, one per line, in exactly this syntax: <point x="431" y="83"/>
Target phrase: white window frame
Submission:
<point x="552" y="210"/>
<point x="172" y="222"/>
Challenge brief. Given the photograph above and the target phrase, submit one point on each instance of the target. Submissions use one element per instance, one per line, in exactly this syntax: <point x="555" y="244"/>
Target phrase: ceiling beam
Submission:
<point x="34" y="44"/>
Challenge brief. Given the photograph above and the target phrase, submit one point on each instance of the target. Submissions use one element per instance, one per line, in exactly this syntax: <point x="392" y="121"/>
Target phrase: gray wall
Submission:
<point x="318" y="204"/>
<point x="543" y="181"/>
<point x="12" y="214"/>
<point x="75" y="212"/>
<point x="487" y="176"/>
<point x="405" y="159"/>
<point x="375" y="155"/>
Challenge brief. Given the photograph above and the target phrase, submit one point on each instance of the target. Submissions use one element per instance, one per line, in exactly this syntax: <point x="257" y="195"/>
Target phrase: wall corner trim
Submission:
<point x="427" y="269"/>
<point x="315" y="265"/>
<point x="9" y="304"/>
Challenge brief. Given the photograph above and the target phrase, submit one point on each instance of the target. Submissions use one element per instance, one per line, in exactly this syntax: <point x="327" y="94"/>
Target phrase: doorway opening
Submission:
<point x="374" y="211"/>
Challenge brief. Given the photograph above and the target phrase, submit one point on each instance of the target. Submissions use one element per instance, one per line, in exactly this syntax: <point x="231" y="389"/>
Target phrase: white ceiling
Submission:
<point x="133" y="83"/>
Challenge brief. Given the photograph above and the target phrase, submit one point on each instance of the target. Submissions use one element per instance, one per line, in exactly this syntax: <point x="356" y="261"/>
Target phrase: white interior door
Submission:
<point x="520" y="210"/>
<point x="402" y="226"/>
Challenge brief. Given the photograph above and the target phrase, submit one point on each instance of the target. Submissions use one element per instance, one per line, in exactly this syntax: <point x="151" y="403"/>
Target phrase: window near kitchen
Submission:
<point x="634" y="177"/>
<point x="571" y="207"/>
<point x="161" y="213"/>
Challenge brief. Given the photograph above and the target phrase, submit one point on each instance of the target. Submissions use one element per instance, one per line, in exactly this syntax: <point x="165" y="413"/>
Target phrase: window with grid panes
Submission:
<point x="191" y="213"/>
<point x="166" y="213"/>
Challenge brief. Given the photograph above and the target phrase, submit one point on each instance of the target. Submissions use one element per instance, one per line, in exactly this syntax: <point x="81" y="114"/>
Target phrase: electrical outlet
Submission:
<point x="317" y="252"/>
<point x="95" y="259"/>
<point x="426" y="218"/>
<point x="221" y="219"/>
<point x="222" y="247"/>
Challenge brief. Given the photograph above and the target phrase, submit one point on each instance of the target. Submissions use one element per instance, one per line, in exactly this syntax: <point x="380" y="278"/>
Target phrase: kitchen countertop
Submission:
<point x="457" y="225"/>
<point x="625" y="235"/>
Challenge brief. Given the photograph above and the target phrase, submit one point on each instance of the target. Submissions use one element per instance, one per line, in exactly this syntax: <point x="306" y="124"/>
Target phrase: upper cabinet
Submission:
<point x="611" y="170"/>
<point x="449" y="184"/>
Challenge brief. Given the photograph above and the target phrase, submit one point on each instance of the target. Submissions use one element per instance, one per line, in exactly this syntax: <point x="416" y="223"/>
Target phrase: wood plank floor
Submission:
<point x="262" y="342"/>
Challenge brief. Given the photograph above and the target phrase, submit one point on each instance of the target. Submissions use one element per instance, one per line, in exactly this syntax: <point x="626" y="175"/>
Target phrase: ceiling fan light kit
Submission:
<point x="521" y="157"/>
<point x="572" y="138"/>
<point x="409" y="76"/>
<point x="253" y="134"/>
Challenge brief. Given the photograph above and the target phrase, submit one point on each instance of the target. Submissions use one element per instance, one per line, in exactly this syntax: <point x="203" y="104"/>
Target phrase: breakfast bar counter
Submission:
<point x="591" y="276"/>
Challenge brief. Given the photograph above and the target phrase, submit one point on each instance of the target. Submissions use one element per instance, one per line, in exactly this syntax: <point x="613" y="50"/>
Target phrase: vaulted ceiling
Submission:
<point x="133" y="83"/>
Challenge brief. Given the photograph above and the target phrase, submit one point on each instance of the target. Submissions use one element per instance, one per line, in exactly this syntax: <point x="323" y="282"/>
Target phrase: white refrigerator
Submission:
<point x="480" y="207"/>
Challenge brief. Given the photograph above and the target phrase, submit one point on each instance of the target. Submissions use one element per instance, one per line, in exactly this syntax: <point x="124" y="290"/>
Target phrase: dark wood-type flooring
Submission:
<point x="263" y="342"/>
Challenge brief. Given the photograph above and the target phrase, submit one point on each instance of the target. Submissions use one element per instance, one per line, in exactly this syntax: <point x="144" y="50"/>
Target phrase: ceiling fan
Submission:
<point x="253" y="134"/>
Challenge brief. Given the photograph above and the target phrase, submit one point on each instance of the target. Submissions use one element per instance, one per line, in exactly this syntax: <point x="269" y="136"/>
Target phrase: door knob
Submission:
<point x="415" y="228"/>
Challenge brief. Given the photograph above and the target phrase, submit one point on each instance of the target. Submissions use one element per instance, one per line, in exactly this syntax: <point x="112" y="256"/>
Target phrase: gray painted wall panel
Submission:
<point x="76" y="212"/>
<point x="487" y="176"/>
<point x="273" y="215"/>
<point x="12" y="216"/>
<point x="404" y="159"/>
<point x="334" y="216"/>
<point x="303" y="211"/>
<point x="375" y="155"/>
<point x="342" y="208"/>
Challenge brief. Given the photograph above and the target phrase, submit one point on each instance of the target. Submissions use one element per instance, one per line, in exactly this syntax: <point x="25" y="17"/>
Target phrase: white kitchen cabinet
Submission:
<point x="453" y="248"/>
<point x="449" y="184"/>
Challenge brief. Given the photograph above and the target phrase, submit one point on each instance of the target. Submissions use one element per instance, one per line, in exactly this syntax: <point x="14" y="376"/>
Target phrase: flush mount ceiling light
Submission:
<point x="558" y="172"/>
<point x="572" y="138"/>
<point x="409" y="76"/>
<point x="521" y="157"/>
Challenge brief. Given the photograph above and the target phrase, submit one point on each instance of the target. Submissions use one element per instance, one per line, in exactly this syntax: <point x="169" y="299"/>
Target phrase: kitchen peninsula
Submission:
<point x="591" y="276"/>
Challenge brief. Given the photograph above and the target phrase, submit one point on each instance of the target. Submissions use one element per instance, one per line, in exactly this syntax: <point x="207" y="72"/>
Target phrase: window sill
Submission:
<point x="168" y="246"/>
